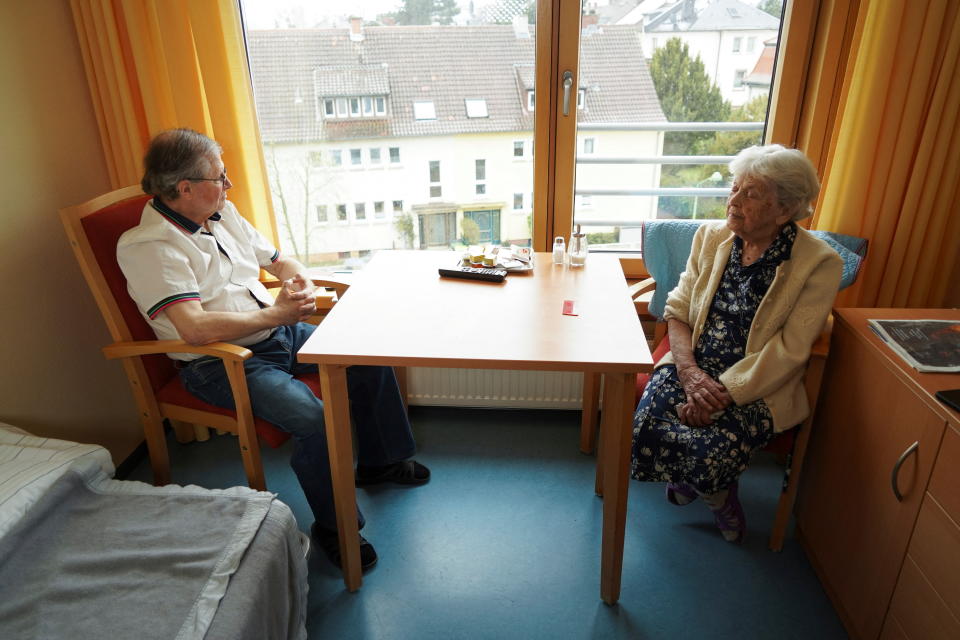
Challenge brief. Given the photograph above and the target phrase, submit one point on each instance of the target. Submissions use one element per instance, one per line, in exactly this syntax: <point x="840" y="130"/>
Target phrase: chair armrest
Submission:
<point x="223" y="350"/>
<point x="643" y="286"/>
<point x="340" y="285"/>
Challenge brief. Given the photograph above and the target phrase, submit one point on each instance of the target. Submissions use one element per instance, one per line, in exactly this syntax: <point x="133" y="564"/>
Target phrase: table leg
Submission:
<point x="615" y="448"/>
<point x="590" y="409"/>
<point x="336" y="413"/>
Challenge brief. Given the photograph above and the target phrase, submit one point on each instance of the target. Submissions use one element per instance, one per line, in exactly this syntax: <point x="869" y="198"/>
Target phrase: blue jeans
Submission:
<point x="382" y="428"/>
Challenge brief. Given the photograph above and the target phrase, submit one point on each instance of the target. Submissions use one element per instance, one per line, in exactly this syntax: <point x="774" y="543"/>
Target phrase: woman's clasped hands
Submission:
<point x="705" y="397"/>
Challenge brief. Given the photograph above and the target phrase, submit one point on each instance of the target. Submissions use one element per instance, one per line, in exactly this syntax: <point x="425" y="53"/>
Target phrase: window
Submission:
<point x="354" y="107"/>
<point x="476" y="107"/>
<point x="481" y="188"/>
<point x="518" y="201"/>
<point x="356" y="157"/>
<point x="480" y="169"/>
<point x="316" y="159"/>
<point x="378" y="209"/>
<point x="380" y="106"/>
<point x="435" y="179"/>
<point x="360" y="211"/>
<point x="738" y="76"/>
<point x="398" y="206"/>
<point x="518" y="149"/>
<point x="341" y="212"/>
<point x="374" y="155"/>
<point x="336" y="157"/>
<point x="751" y="44"/>
<point x="587" y="146"/>
<point x="321" y="213"/>
<point x="736" y="44"/>
<point x="329" y="108"/>
<point x="531" y="99"/>
<point x="367" y="105"/>
<point x="342" y="108"/>
<point x="394" y="155"/>
<point x="424" y="110"/>
<point x="581" y="97"/>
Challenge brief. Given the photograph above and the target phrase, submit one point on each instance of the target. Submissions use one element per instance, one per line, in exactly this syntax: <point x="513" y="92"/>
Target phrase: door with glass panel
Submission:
<point x="390" y="126"/>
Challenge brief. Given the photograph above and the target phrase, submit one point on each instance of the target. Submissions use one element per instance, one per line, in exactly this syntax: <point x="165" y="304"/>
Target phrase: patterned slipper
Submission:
<point x="407" y="472"/>
<point x="730" y="518"/>
<point x="680" y="494"/>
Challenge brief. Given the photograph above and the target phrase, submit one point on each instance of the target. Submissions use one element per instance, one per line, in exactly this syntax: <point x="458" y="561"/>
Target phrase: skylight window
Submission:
<point x="476" y="107"/>
<point x="424" y="110"/>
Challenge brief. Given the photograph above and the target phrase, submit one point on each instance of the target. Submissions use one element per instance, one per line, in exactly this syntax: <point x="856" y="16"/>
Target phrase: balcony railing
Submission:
<point x="693" y="191"/>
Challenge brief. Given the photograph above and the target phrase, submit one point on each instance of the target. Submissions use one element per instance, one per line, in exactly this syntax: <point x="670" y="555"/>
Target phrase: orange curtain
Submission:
<point x="158" y="64"/>
<point x="893" y="167"/>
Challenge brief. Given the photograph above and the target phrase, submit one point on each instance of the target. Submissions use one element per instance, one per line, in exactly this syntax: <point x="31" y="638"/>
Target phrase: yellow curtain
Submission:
<point x="894" y="168"/>
<point x="158" y="64"/>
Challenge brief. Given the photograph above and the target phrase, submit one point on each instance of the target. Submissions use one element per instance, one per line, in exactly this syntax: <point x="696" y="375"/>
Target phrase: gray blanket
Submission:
<point x="100" y="558"/>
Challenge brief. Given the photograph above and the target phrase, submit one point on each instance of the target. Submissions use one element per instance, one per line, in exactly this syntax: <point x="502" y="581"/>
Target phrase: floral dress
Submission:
<point x="710" y="458"/>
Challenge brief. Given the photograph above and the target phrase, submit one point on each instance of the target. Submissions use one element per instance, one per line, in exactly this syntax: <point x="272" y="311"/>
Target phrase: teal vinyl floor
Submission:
<point x="504" y="542"/>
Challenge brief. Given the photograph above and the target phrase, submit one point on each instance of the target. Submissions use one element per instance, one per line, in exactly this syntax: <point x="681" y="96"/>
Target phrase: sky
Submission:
<point x="260" y="14"/>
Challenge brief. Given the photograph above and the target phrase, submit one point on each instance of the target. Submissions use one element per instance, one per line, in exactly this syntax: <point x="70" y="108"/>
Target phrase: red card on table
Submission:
<point x="570" y="307"/>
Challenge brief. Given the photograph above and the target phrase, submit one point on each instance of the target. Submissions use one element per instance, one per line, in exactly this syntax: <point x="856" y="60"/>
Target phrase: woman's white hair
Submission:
<point x="788" y="170"/>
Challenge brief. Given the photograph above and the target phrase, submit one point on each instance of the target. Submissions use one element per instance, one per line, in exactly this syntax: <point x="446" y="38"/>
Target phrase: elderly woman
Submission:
<point x="755" y="294"/>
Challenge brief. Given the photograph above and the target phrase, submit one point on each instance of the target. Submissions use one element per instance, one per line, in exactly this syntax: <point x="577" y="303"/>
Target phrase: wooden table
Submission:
<point x="399" y="312"/>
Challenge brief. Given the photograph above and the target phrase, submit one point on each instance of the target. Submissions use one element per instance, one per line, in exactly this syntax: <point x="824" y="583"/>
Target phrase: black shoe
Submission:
<point x="330" y="543"/>
<point x="409" y="472"/>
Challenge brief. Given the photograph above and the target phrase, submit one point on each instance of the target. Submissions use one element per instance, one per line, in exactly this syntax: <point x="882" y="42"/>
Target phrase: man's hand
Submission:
<point x="296" y="301"/>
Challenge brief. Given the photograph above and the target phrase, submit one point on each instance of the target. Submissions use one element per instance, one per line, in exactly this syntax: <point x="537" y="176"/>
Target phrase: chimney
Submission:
<point x="356" y="29"/>
<point x="589" y="20"/>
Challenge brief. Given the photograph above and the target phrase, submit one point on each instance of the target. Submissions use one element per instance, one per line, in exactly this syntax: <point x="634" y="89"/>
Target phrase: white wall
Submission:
<point x="408" y="181"/>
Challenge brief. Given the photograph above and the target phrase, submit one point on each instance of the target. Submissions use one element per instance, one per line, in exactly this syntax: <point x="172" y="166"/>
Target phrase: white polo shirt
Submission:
<point x="169" y="259"/>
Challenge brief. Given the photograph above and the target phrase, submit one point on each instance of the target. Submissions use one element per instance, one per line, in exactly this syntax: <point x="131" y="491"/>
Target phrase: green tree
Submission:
<point x="686" y="95"/>
<point x="426" y="12"/>
<point x="773" y="7"/>
<point x="403" y="224"/>
<point x="471" y="231"/>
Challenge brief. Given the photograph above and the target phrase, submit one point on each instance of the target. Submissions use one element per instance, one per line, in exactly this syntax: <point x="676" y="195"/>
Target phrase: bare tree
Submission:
<point x="293" y="185"/>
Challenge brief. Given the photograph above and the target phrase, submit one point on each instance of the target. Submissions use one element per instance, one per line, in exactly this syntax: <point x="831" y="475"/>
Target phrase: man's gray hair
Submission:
<point x="788" y="170"/>
<point x="175" y="155"/>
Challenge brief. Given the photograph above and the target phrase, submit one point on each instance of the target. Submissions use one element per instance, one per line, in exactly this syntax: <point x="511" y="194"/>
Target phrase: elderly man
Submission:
<point x="192" y="266"/>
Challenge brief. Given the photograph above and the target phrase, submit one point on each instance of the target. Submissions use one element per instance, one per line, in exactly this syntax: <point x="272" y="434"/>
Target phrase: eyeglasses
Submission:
<point x="222" y="179"/>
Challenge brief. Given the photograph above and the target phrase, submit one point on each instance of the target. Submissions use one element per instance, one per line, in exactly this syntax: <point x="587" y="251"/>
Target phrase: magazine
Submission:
<point x="927" y="345"/>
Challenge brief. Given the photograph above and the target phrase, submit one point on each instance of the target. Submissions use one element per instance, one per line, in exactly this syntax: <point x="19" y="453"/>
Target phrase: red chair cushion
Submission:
<point x="103" y="230"/>
<point x="173" y="392"/>
<point x="643" y="378"/>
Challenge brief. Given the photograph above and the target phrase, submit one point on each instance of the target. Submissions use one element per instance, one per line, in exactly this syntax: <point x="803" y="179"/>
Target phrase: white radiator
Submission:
<point x="494" y="388"/>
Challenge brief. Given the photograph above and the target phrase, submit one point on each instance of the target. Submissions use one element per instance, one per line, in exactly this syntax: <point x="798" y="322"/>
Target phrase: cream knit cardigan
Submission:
<point x="790" y="317"/>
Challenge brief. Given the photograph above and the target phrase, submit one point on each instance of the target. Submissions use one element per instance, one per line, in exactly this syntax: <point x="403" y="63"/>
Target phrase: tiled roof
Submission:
<point x="721" y="15"/>
<point x="352" y="80"/>
<point x="445" y="64"/>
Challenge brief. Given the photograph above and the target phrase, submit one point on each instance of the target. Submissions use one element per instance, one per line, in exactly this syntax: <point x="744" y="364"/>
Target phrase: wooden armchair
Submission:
<point x="93" y="229"/>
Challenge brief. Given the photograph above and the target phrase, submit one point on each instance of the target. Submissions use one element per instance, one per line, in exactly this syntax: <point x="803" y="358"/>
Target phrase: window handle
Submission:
<point x="896" y="469"/>
<point x="567" y="83"/>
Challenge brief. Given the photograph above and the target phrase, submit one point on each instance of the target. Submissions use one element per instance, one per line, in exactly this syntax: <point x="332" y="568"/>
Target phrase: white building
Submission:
<point x="365" y="128"/>
<point x="728" y="35"/>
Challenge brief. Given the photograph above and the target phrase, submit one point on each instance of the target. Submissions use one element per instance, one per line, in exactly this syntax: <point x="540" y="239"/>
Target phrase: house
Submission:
<point x="728" y="35"/>
<point x="436" y="123"/>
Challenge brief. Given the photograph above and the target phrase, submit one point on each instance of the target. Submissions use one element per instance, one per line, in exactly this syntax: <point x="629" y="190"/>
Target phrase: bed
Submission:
<point x="83" y="555"/>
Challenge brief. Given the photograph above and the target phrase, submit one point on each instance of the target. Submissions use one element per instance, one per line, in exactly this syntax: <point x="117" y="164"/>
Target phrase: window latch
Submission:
<point x="567" y="83"/>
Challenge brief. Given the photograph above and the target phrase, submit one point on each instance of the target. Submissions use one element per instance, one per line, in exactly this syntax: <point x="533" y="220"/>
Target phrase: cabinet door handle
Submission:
<point x="896" y="469"/>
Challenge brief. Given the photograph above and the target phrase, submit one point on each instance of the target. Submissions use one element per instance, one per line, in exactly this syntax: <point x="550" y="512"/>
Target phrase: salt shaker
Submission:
<point x="578" y="248"/>
<point x="559" y="249"/>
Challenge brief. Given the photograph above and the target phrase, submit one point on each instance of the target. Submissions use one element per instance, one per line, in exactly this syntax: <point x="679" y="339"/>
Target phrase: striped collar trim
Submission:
<point x="187" y="225"/>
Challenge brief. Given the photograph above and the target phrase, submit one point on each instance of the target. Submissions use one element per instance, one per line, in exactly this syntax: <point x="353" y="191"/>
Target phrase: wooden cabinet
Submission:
<point x="875" y="410"/>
